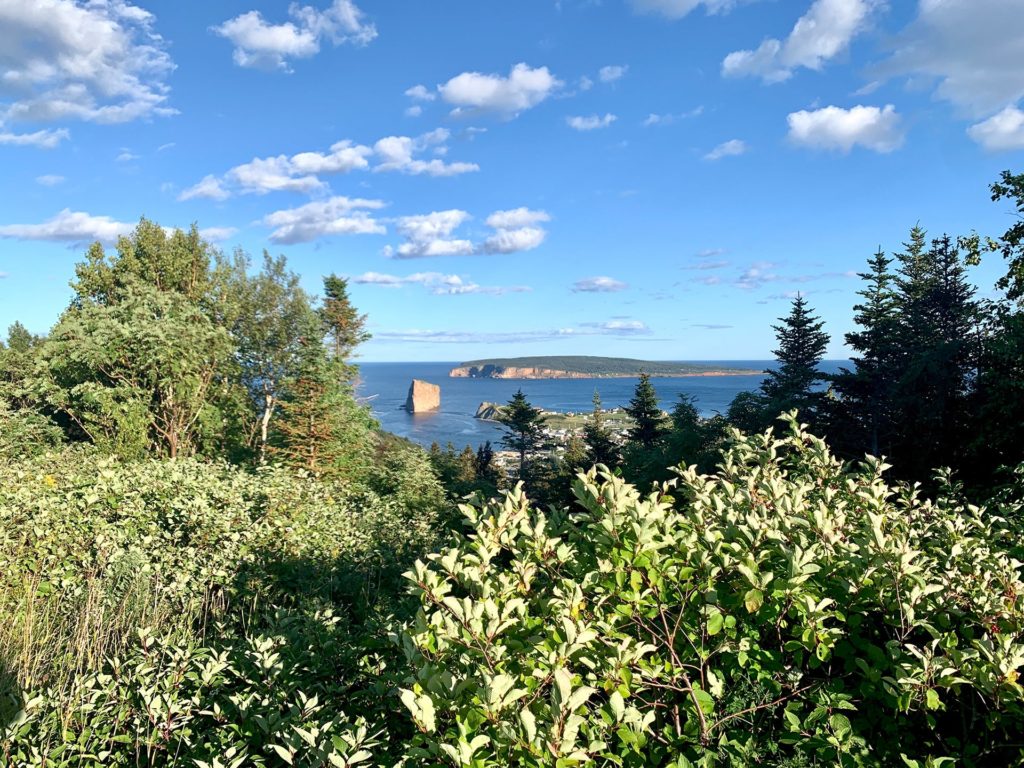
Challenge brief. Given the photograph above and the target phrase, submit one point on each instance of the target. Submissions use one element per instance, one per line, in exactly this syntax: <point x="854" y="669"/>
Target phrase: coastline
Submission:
<point x="457" y="373"/>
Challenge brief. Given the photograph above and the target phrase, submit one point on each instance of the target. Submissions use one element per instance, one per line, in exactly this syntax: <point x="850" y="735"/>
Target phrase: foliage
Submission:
<point x="648" y="418"/>
<point x="1011" y="244"/>
<point x="802" y="343"/>
<point x="134" y="375"/>
<point x="786" y="611"/>
<point x="601" y="446"/>
<point x="523" y="428"/>
<point x="261" y="594"/>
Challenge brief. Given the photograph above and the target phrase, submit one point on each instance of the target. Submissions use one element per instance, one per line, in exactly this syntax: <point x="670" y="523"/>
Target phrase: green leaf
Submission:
<point x="753" y="600"/>
<point x="715" y="623"/>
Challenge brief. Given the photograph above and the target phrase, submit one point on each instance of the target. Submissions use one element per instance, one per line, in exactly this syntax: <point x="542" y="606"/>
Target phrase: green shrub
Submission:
<point x="263" y="596"/>
<point x="787" y="611"/>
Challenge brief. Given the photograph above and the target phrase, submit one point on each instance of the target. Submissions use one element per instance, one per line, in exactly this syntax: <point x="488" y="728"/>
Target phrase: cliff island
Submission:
<point x="585" y="367"/>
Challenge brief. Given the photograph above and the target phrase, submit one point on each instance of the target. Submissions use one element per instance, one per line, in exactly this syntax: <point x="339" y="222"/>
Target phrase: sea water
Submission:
<point x="384" y="386"/>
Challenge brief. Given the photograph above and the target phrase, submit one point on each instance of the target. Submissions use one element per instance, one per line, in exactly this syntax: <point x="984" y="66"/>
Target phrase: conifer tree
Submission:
<point x="344" y="327"/>
<point x="523" y="428"/>
<point x="601" y="446"/>
<point x="867" y="391"/>
<point x="648" y="419"/>
<point x="802" y="344"/>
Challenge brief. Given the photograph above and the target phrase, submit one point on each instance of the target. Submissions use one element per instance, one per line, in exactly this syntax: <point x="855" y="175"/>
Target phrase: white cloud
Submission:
<point x="523" y="89"/>
<point x="429" y="234"/>
<point x="263" y="45"/>
<point x="301" y="172"/>
<point x="591" y="122"/>
<point x="217" y="234"/>
<point x="420" y="93"/>
<point x="832" y="127"/>
<point x="98" y="61"/>
<point x="598" y="285"/>
<point x="619" y="327"/>
<point x="209" y="188"/>
<point x="667" y="119"/>
<point x="515" y="230"/>
<point x="437" y="283"/>
<point x="70" y="227"/>
<point x="514" y="240"/>
<point x="972" y="48"/>
<point x="516" y="217"/>
<point x="126" y="156"/>
<point x="396" y="153"/>
<point x="324" y="218"/>
<point x="676" y="9"/>
<point x="44" y="139"/>
<point x="730" y="148"/>
<point x="819" y="35"/>
<point x="432" y="234"/>
<point x="612" y="72"/>
<point x="756" y="276"/>
<point x="49" y="180"/>
<point x="585" y="83"/>
<point x="1002" y="132"/>
<point x="414" y="111"/>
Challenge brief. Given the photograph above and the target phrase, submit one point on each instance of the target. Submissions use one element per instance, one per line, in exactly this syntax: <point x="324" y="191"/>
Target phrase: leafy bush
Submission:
<point x="261" y="594"/>
<point x="789" y="610"/>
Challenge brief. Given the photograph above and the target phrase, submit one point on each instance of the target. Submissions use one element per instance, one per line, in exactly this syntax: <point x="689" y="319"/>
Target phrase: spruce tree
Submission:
<point x="523" y="428"/>
<point x="802" y="344"/>
<point x="344" y="327"/>
<point x="648" y="420"/>
<point x="867" y="391"/>
<point x="601" y="446"/>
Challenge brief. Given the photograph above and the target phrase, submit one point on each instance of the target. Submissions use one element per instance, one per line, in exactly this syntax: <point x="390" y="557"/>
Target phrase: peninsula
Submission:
<point x="585" y="367"/>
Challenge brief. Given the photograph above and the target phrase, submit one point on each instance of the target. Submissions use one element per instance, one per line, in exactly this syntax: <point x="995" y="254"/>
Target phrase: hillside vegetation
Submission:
<point x="211" y="556"/>
<point x="602" y="366"/>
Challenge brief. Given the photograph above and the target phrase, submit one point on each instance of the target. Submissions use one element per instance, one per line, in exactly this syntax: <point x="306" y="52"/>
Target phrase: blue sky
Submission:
<point x="645" y="178"/>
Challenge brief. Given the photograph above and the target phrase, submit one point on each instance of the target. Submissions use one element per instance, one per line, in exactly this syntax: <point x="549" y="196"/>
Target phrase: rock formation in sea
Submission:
<point x="423" y="397"/>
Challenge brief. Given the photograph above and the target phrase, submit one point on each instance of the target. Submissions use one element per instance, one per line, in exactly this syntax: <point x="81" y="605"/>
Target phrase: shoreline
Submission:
<point x="571" y="375"/>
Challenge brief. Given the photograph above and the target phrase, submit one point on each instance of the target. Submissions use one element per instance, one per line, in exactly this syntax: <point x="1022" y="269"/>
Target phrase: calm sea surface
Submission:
<point x="386" y="385"/>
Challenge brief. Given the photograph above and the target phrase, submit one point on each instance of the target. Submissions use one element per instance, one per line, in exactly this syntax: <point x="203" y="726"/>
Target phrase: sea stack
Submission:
<point x="423" y="397"/>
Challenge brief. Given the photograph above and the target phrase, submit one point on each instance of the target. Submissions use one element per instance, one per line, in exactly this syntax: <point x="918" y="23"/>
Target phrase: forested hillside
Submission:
<point x="211" y="556"/>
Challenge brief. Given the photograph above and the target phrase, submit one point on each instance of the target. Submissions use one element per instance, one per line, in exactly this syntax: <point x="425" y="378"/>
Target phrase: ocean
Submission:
<point x="385" y="386"/>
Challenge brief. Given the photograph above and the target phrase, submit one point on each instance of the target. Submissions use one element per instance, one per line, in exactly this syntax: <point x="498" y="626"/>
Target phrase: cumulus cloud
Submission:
<point x="730" y="148"/>
<point x="70" y="227"/>
<point x="612" y="73"/>
<point x="1002" y="132"/>
<point x="99" y="61"/>
<point x="818" y="36"/>
<point x="217" y="234"/>
<point x="590" y="122"/>
<point x="324" y="218"/>
<point x="515" y="230"/>
<point x="433" y="234"/>
<point x="970" y="48"/>
<point x="676" y="9"/>
<point x="414" y="111"/>
<point x="599" y="284"/>
<point x="301" y="172"/>
<point x="430" y="234"/>
<point x="840" y="129"/>
<point x="396" y="153"/>
<point x="49" y="180"/>
<point x="523" y="89"/>
<point x="420" y="93"/>
<point x="209" y="188"/>
<point x="263" y="45"/>
<point x="43" y="139"/>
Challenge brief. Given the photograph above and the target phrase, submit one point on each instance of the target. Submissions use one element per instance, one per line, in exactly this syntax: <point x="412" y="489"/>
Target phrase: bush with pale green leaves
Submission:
<point x="197" y="614"/>
<point x="788" y="610"/>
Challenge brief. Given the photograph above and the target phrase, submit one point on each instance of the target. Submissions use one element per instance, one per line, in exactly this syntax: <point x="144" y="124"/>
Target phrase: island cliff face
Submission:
<point x="511" y="372"/>
<point x="423" y="397"/>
